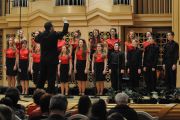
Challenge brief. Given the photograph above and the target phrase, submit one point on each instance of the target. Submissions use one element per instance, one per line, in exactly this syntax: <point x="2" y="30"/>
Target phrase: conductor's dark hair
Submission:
<point x="48" y="25"/>
<point x="171" y="32"/>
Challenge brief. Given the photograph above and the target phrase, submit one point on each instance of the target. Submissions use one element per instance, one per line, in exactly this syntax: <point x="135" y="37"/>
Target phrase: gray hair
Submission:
<point x="58" y="102"/>
<point x="121" y="98"/>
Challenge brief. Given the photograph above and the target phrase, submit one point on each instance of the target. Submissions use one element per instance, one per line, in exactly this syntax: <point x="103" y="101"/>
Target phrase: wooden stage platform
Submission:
<point x="162" y="111"/>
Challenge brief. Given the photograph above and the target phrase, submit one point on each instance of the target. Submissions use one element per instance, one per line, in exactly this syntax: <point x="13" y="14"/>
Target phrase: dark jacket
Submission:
<point x="126" y="111"/>
<point x="171" y="53"/>
<point x="55" y="117"/>
<point x="117" y="58"/>
<point x="48" y="42"/>
<point x="151" y="55"/>
<point x="134" y="58"/>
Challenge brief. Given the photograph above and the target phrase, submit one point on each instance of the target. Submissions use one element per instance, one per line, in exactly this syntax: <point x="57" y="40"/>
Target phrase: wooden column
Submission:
<point x="176" y="29"/>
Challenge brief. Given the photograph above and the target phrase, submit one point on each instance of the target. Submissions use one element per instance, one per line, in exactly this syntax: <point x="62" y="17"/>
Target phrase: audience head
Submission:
<point x="121" y="98"/>
<point x="98" y="109"/>
<point x="13" y="94"/>
<point x="84" y="105"/>
<point x="44" y="102"/>
<point x="7" y="101"/>
<point x="115" y="116"/>
<point x="7" y="112"/>
<point x="58" y="103"/>
<point x="37" y="95"/>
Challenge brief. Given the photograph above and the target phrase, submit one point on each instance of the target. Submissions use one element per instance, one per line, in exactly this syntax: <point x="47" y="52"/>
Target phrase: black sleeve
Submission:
<point x="139" y="59"/>
<point x="164" y="54"/>
<point x="109" y="60"/>
<point x="128" y="59"/>
<point x="176" y="53"/>
<point x="122" y="58"/>
<point x="155" y="62"/>
<point x="144" y="57"/>
<point x="64" y="31"/>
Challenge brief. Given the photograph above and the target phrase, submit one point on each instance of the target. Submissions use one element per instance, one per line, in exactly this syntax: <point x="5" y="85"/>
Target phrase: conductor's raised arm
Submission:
<point x="65" y="29"/>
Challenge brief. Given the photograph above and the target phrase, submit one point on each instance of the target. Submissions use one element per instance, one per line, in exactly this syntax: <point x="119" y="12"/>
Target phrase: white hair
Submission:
<point x="121" y="98"/>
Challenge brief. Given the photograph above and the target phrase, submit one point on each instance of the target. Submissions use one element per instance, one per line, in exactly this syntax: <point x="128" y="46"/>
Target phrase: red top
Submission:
<point x="99" y="58"/>
<point x="129" y="46"/>
<point x="10" y="53"/>
<point x="64" y="59"/>
<point x="79" y="54"/>
<point x="74" y="44"/>
<point x="111" y="43"/>
<point x="24" y="54"/>
<point x="36" y="57"/>
<point x="60" y="44"/>
<point x="146" y="44"/>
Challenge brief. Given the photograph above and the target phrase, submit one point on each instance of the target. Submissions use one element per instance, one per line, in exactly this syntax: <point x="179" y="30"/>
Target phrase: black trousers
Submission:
<point x="47" y="72"/>
<point x="134" y="78"/>
<point x="116" y="77"/>
<point x="170" y="76"/>
<point x="150" y="79"/>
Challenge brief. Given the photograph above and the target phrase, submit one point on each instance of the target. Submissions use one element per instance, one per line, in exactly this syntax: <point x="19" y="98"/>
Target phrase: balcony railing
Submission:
<point x="18" y="3"/>
<point x="152" y="6"/>
<point x="124" y="2"/>
<point x="70" y="2"/>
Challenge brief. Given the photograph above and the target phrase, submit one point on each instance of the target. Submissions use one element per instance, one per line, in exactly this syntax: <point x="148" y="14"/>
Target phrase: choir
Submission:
<point x="53" y="55"/>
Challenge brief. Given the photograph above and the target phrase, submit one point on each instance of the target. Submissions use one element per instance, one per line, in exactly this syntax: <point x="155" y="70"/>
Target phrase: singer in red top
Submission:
<point x="99" y="64"/>
<point x="35" y="63"/>
<point x="11" y="60"/>
<point x="74" y="42"/>
<point x="81" y="65"/>
<point x="147" y="42"/>
<point x="24" y="67"/>
<point x="112" y="40"/>
<point x="94" y="41"/>
<point x="128" y="44"/>
<point x="64" y="69"/>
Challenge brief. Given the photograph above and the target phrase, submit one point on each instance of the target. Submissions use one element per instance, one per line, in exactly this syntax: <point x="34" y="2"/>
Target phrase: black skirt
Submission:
<point x="98" y="71"/>
<point x="10" y="62"/>
<point x="23" y="74"/>
<point x="64" y="70"/>
<point x="80" y="67"/>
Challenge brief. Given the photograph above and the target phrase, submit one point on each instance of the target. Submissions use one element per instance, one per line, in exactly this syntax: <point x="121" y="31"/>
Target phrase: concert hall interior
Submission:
<point x="111" y="51"/>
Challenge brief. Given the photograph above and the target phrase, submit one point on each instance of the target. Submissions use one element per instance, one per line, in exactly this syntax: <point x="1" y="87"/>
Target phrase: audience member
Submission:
<point x="14" y="95"/>
<point x="115" y="116"/>
<point x="57" y="107"/>
<point x="84" y="105"/>
<point x="98" y="110"/>
<point x="36" y="98"/>
<point x="6" y="112"/>
<point x="122" y="107"/>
